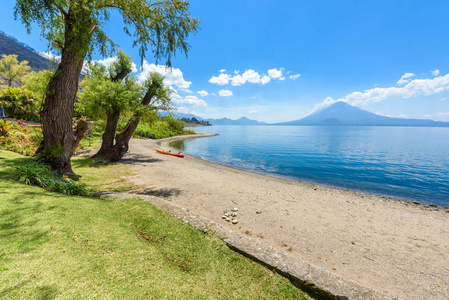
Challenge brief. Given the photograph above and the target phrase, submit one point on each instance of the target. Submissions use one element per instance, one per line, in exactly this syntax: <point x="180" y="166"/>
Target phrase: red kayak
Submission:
<point x="170" y="153"/>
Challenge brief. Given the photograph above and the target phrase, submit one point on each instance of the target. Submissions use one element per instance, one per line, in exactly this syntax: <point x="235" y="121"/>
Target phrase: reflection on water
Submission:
<point x="407" y="162"/>
<point x="178" y="145"/>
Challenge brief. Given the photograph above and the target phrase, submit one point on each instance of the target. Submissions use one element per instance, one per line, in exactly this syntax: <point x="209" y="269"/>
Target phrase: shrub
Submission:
<point x="33" y="173"/>
<point x="161" y="128"/>
<point x="36" y="173"/>
<point x="21" y="139"/>
<point x="145" y="133"/>
<point x="20" y="103"/>
<point x="4" y="128"/>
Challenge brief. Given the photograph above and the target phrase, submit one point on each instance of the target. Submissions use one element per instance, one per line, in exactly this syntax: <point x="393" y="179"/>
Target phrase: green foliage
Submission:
<point x="21" y="139"/>
<point x="123" y="63"/>
<point x="33" y="173"/>
<point x="100" y="94"/>
<point x="162" y="128"/>
<point x="20" y="103"/>
<point x="52" y="152"/>
<point x="157" y="93"/>
<point x="37" y="173"/>
<point x="11" y="70"/>
<point x="195" y="121"/>
<point x="37" y="82"/>
<point x="162" y="25"/>
<point x="4" y="128"/>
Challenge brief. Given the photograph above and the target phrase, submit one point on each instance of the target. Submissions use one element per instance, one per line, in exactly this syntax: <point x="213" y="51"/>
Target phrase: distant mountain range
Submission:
<point x="223" y="121"/>
<point x="9" y="45"/>
<point x="241" y="121"/>
<point x="343" y="114"/>
<point x="338" y="114"/>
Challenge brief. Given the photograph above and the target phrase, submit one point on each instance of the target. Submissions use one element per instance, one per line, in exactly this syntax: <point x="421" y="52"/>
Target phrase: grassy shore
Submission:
<point x="58" y="246"/>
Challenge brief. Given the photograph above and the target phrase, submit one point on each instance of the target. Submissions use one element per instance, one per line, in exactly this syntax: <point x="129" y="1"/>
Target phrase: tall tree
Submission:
<point x="76" y="27"/>
<point x="11" y="70"/>
<point x="115" y="92"/>
<point x="156" y="97"/>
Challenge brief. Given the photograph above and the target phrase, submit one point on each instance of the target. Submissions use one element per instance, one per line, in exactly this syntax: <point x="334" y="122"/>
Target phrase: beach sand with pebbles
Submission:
<point x="398" y="248"/>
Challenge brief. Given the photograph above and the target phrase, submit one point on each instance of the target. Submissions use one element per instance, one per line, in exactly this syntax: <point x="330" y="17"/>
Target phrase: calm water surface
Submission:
<point x="406" y="162"/>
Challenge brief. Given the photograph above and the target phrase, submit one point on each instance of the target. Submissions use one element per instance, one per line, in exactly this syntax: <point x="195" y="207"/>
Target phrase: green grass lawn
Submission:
<point x="58" y="246"/>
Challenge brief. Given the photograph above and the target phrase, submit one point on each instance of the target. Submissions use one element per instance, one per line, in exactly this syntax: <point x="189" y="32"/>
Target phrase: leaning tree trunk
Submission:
<point x="109" y="134"/>
<point x="112" y="119"/>
<point x="60" y="138"/>
<point x="115" y="152"/>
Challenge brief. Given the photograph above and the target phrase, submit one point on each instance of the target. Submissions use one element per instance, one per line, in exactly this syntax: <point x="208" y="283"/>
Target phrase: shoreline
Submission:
<point x="396" y="248"/>
<point x="405" y="201"/>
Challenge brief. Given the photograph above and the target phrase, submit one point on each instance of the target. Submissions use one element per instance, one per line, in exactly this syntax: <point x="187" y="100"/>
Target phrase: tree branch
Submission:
<point x="61" y="9"/>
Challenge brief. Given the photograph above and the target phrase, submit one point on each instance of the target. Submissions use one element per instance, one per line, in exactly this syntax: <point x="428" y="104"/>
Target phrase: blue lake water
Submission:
<point x="406" y="162"/>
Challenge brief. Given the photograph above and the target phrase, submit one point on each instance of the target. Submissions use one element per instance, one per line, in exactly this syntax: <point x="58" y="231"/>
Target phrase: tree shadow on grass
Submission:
<point x="41" y="292"/>
<point x="164" y="193"/>
<point x="19" y="221"/>
<point x="13" y="288"/>
<point x="46" y="292"/>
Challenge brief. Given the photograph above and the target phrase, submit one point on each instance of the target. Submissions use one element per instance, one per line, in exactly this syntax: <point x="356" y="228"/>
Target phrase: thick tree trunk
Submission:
<point x="109" y="134"/>
<point x="115" y="152"/>
<point x="111" y="124"/>
<point x="60" y="139"/>
<point x="57" y="112"/>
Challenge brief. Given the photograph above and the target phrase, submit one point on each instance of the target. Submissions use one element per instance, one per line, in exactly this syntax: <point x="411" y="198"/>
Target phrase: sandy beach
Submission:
<point x="400" y="249"/>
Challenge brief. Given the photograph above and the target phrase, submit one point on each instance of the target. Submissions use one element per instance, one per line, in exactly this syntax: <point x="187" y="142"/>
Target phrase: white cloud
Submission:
<point x="238" y="80"/>
<point x="222" y="71"/>
<point x="189" y="100"/>
<point x="275" y="73"/>
<point x="443" y="114"/>
<point x="222" y="79"/>
<point x="416" y="87"/>
<point x="326" y="102"/>
<point x="435" y="72"/>
<point x="265" y="79"/>
<point x="253" y="112"/>
<point x="188" y="91"/>
<point x="250" y="76"/>
<point x="173" y="76"/>
<point x="50" y="56"/>
<point x="107" y="62"/>
<point x="402" y="116"/>
<point x="225" y="93"/>
<point x="203" y="93"/>
<point x="405" y="78"/>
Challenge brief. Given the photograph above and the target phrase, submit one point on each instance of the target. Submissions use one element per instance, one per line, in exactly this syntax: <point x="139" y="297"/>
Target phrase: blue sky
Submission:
<point x="280" y="60"/>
